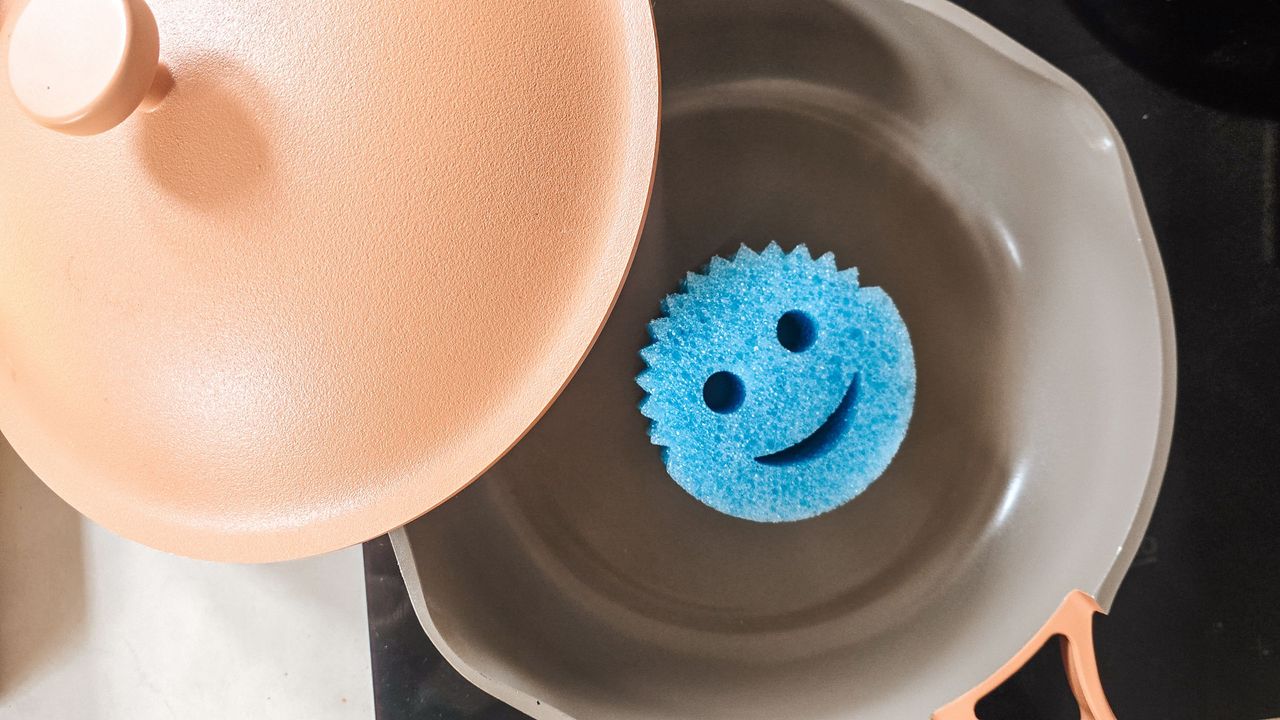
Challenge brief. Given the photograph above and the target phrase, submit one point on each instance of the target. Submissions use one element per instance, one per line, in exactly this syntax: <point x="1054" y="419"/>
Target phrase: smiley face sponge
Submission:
<point x="777" y="388"/>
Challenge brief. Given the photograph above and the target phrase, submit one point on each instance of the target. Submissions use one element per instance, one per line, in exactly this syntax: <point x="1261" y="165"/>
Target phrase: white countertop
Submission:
<point x="95" y="627"/>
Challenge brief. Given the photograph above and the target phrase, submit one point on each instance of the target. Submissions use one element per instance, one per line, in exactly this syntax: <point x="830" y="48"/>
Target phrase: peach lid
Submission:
<point x="319" y="270"/>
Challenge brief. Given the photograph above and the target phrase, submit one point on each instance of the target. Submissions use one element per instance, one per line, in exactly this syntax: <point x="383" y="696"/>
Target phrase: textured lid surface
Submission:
<point x="342" y="267"/>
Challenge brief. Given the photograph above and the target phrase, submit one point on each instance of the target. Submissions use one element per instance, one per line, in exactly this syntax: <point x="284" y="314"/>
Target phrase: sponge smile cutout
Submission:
<point x="821" y="440"/>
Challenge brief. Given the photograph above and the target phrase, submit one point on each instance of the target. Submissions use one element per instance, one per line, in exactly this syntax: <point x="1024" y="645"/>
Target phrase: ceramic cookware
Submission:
<point x="993" y="200"/>
<point x="276" y="278"/>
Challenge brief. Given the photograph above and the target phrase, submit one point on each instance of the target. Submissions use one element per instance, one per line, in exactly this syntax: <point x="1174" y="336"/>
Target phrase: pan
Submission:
<point x="993" y="200"/>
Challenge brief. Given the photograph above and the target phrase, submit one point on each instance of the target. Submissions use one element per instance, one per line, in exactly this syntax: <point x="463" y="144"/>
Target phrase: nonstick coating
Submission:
<point x="992" y="199"/>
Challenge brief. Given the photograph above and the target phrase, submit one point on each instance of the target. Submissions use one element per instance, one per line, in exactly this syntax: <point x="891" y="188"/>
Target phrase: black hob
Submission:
<point x="1194" y="633"/>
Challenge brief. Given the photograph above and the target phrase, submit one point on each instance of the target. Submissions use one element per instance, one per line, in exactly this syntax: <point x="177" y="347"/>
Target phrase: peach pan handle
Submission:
<point x="1072" y="623"/>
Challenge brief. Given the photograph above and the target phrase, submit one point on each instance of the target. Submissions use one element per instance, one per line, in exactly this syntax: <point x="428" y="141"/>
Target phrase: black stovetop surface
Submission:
<point x="1194" y="633"/>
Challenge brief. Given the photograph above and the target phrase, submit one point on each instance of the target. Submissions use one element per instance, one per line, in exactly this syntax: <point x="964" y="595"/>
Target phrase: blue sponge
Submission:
<point x="777" y="387"/>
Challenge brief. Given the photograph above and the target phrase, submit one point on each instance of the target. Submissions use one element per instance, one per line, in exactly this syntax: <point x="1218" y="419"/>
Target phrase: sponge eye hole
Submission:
<point x="797" y="331"/>
<point x="723" y="392"/>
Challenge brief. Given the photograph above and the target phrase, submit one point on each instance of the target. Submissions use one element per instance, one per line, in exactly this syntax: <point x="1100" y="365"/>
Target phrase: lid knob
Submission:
<point x="83" y="66"/>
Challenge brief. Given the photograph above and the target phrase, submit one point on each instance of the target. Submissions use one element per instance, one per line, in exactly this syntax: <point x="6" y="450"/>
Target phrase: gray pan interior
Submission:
<point x="990" y="196"/>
